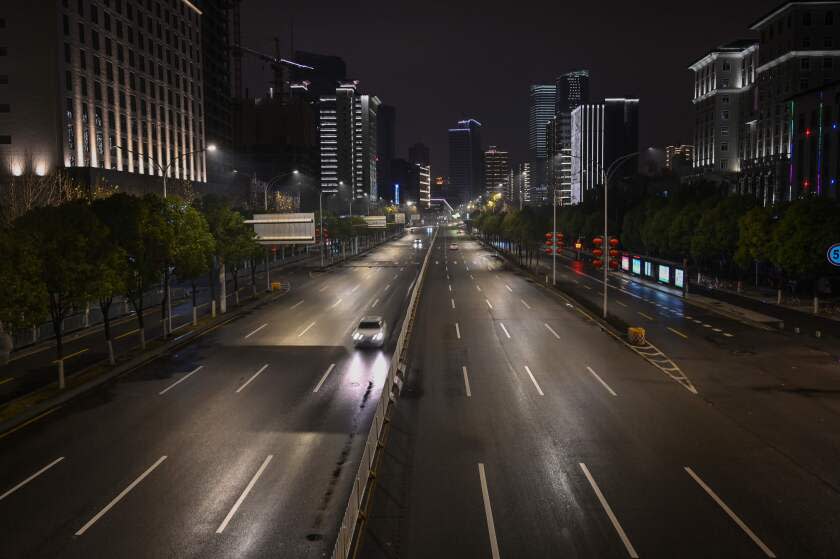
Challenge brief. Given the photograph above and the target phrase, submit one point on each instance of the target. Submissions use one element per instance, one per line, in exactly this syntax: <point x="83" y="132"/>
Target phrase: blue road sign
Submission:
<point x="834" y="254"/>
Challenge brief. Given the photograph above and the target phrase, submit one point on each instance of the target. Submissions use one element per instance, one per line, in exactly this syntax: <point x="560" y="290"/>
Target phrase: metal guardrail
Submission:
<point x="347" y="528"/>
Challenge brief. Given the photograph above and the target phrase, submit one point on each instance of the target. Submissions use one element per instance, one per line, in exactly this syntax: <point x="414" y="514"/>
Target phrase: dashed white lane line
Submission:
<point x="450" y="288"/>
<point x="488" y="513"/>
<point x="466" y="382"/>
<point x="478" y="287"/>
<point x="605" y="385"/>
<point x="354" y="289"/>
<point x="606" y="506"/>
<point x="376" y="302"/>
<point x="534" y="380"/>
<point x="527" y="306"/>
<point x="728" y="335"/>
<point x="678" y="333"/>
<point x="505" y="330"/>
<point x="508" y="288"/>
<point x="489" y="304"/>
<point x="255" y="331"/>
<point x="718" y="330"/>
<point x="305" y="330"/>
<point x="397" y="275"/>
<point x="323" y="378"/>
<point x="741" y="524"/>
<point x="471" y="277"/>
<point x="457" y="331"/>
<point x="453" y="303"/>
<point x="242" y="497"/>
<point x="296" y="305"/>
<point x="387" y="287"/>
<point x="647" y="316"/>
<point x="550" y="329"/>
<point x="30" y="478"/>
<point x="255" y="375"/>
<point x="322" y="288"/>
<point x="587" y="287"/>
<point x="620" y="303"/>
<point x="119" y="497"/>
<point x="180" y="380"/>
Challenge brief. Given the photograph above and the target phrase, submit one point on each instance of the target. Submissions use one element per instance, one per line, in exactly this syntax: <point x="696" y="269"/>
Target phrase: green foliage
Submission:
<point x="193" y="246"/>
<point x="755" y="229"/>
<point x="24" y="295"/>
<point x="802" y="237"/>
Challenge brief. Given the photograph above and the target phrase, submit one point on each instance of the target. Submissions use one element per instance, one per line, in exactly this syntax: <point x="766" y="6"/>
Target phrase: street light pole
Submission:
<point x="321" y="216"/>
<point x="610" y="171"/>
<point x="554" y="242"/>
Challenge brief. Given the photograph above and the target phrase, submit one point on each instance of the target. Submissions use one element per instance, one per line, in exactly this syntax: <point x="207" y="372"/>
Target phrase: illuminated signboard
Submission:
<point x="664" y="273"/>
<point x="625" y="263"/>
<point x="648" y="269"/>
<point x="679" y="277"/>
<point x="637" y="266"/>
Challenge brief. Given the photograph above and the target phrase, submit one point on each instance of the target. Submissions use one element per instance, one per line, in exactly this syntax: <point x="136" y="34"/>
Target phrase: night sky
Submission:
<point x="439" y="61"/>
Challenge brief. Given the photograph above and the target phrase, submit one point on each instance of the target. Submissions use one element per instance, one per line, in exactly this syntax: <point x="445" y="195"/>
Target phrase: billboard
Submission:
<point x="679" y="278"/>
<point x="637" y="265"/>
<point x="415" y="218"/>
<point x="375" y="221"/>
<point x="664" y="273"/>
<point x="399" y="219"/>
<point x="625" y="263"/>
<point x="284" y="229"/>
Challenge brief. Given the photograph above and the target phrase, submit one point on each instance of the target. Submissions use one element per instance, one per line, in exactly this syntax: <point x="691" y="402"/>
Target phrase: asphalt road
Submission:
<point x="243" y="444"/>
<point x="526" y="431"/>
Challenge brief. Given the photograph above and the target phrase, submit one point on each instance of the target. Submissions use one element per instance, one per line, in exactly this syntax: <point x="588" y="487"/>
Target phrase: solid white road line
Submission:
<point x="374" y="303"/>
<point x="767" y="551"/>
<point x="241" y="498"/>
<point x="453" y="303"/>
<point x="337" y="303"/>
<point x="508" y="288"/>
<point x="323" y="378"/>
<point x="527" y="306"/>
<point x="550" y="329"/>
<point x="255" y="375"/>
<point x="488" y="513"/>
<point x="305" y="330"/>
<point x="180" y="380"/>
<point x="489" y="304"/>
<point x="457" y="330"/>
<point x="466" y="382"/>
<point x="296" y="305"/>
<point x="119" y="497"/>
<point x="534" y="380"/>
<point x="30" y="478"/>
<point x="607" y="386"/>
<point x="505" y="330"/>
<point x="255" y="331"/>
<point x="629" y="546"/>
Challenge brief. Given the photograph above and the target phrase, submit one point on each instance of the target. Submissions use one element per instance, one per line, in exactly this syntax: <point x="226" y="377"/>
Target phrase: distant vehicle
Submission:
<point x="370" y="332"/>
<point x="418" y="243"/>
<point x="453" y="246"/>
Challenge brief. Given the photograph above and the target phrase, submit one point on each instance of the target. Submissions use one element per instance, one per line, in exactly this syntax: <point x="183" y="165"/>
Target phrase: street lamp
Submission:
<point x="610" y="172"/>
<point x="274" y="181"/>
<point x="321" y="216"/>
<point x="164" y="170"/>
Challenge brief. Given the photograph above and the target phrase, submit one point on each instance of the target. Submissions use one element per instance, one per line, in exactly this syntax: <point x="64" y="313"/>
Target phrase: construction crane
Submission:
<point x="278" y="65"/>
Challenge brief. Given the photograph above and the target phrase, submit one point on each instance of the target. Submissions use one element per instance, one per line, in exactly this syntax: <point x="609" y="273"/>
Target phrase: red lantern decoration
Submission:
<point x="613" y="253"/>
<point x="597" y="263"/>
<point x="613" y="242"/>
<point x="558" y="251"/>
<point x="597" y="252"/>
<point x="549" y="243"/>
<point x="597" y="241"/>
<point x="548" y="235"/>
<point x="559" y="236"/>
<point x="614" y="264"/>
<point x="549" y="250"/>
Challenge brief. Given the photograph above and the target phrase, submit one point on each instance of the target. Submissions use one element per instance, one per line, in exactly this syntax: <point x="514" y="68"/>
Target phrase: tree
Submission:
<point x="69" y="241"/>
<point x="193" y="252"/>
<point x="755" y="236"/>
<point x="24" y="300"/>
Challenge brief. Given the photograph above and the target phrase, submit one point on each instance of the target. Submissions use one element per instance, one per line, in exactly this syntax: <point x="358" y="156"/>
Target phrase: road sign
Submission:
<point x="375" y="221"/>
<point x="834" y="254"/>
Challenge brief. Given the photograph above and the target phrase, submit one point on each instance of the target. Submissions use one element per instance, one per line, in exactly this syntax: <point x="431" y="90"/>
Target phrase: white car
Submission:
<point x="453" y="246"/>
<point x="370" y="332"/>
<point x="418" y="243"/>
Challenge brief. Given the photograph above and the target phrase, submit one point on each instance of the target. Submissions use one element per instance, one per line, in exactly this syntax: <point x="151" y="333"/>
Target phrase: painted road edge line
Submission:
<point x="466" y="382"/>
<point x="323" y="378"/>
<point x="255" y="375"/>
<point x="629" y="546"/>
<point x="488" y="513"/>
<point x="30" y="478"/>
<point x="242" y="497"/>
<point x="119" y="497"/>
<point x="180" y="380"/>
<point x="741" y="524"/>
<point x="605" y="385"/>
<point x="534" y="380"/>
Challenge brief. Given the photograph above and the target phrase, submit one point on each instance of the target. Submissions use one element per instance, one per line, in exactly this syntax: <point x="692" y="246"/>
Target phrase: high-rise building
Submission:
<point x="572" y="92"/>
<point x="466" y="172"/>
<point x="523" y="185"/>
<point x="602" y="134"/>
<point x="95" y="92"/>
<point x="542" y="101"/>
<point x="218" y="104"/>
<point x="424" y="179"/>
<point x="419" y="153"/>
<point x="348" y="133"/>
<point x="386" y="144"/>
<point x="497" y="172"/>
<point x="678" y="157"/>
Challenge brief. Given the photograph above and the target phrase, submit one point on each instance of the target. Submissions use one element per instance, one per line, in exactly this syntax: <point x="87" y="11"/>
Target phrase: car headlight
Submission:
<point x="378" y="337"/>
<point x="357" y="336"/>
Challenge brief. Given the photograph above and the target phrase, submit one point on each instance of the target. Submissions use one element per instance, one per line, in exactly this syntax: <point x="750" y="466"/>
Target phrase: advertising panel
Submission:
<point x="375" y="221"/>
<point x="649" y="269"/>
<point x="637" y="265"/>
<point x="625" y="263"/>
<point x="284" y="229"/>
<point x="664" y="273"/>
<point x="679" y="278"/>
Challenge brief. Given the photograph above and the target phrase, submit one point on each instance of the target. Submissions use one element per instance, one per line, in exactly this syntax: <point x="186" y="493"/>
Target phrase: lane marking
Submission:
<point x="478" y="287"/>
<point x="534" y="380"/>
<point x="646" y="315"/>
<point x="607" y="386"/>
<point x="718" y="330"/>
<point x="457" y="331"/>
<point x="587" y="287"/>
<point x="255" y="331"/>
<point x="305" y="330"/>
<point x="322" y="288"/>
<point x="606" y="506"/>
<point x="323" y="378"/>
<point x="5" y="380"/>
<point x="527" y="306"/>
<point x="508" y="288"/>
<point x="677" y="332"/>
<point x="375" y="303"/>
<point x="707" y="326"/>
<point x="730" y="513"/>
<point x="255" y="375"/>
<point x="25" y="423"/>
<point x="180" y="380"/>
<point x="488" y="513"/>
<point x="728" y="335"/>
<point x="387" y="287"/>
<point x="337" y="303"/>
<point x="505" y="329"/>
<point x="119" y="497"/>
<point x="296" y="305"/>
<point x="354" y="289"/>
<point x="121" y="336"/>
<point x="550" y="329"/>
<point x="489" y="304"/>
<point x="620" y="303"/>
<point x="450" y="288"/>
<point x="72" y="355"/>
<point x="466" y="382"/>
<point x="242" y="497"/>
<point x="30" y="478"/>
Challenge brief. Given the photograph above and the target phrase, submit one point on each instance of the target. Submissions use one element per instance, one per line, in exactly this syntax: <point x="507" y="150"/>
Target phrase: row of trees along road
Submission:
<point x="728" y="236"/>
<point x="56" y="259"/>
